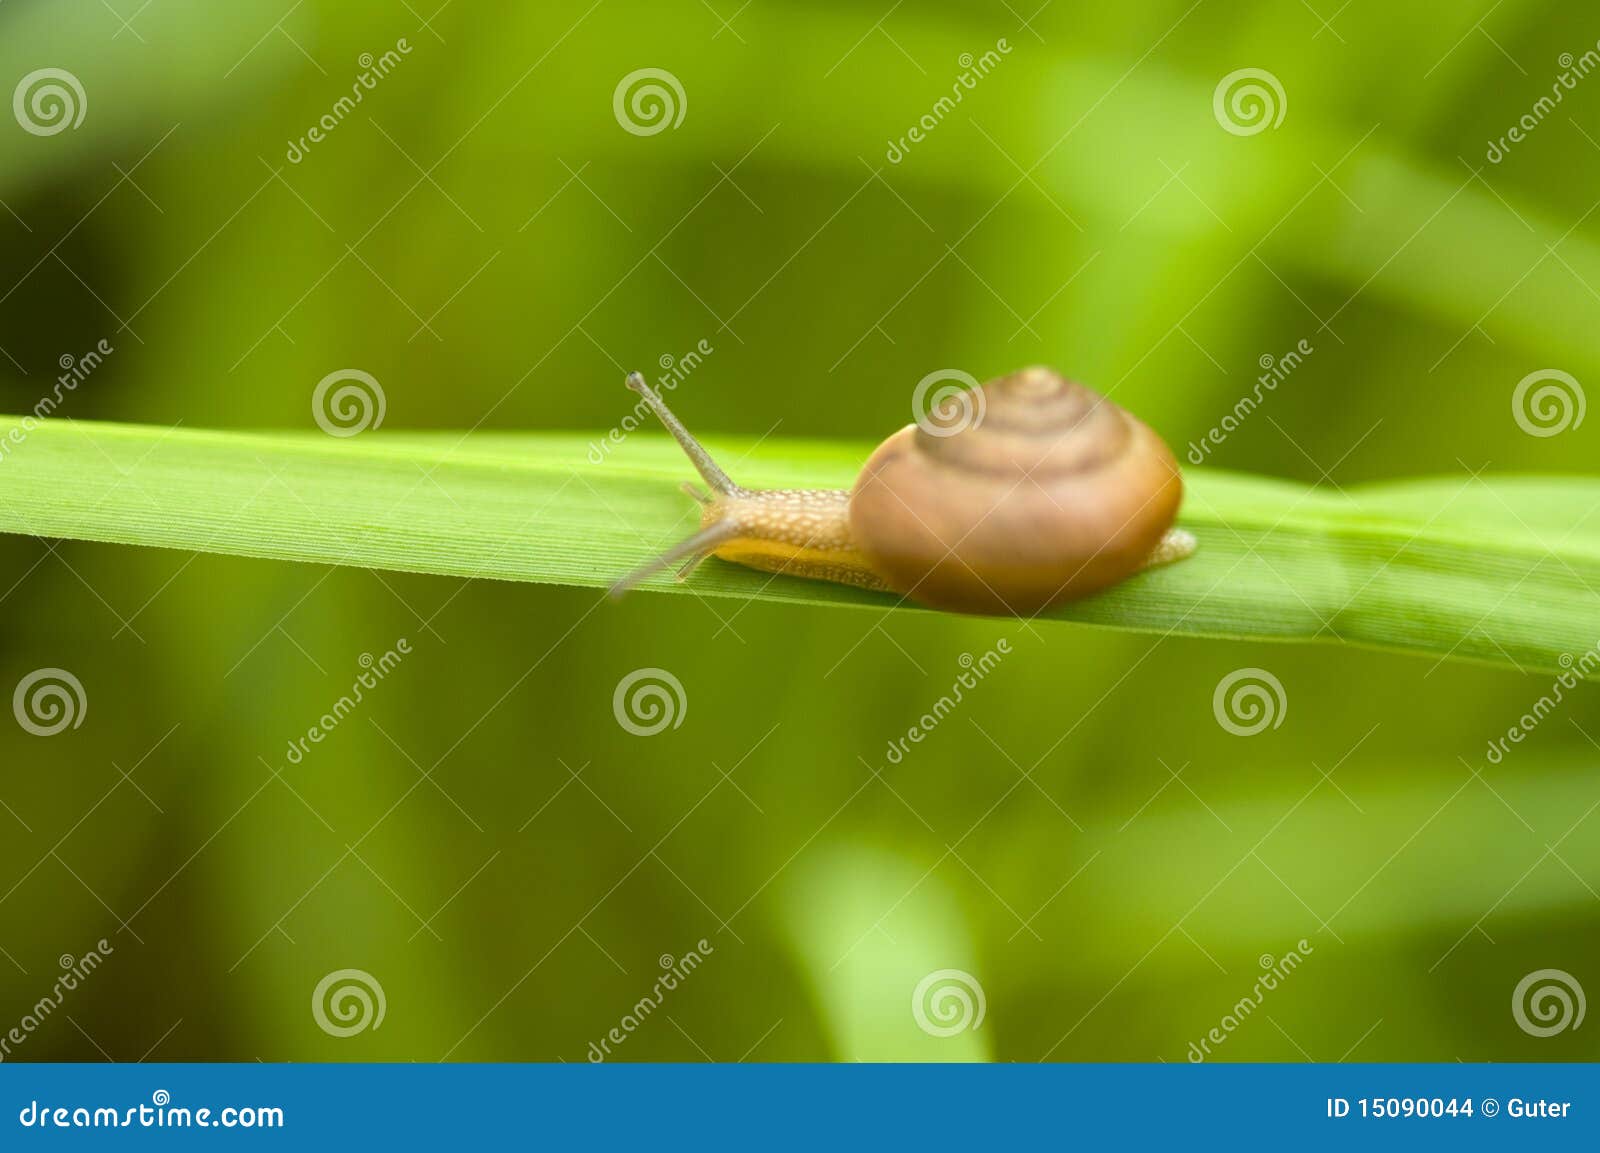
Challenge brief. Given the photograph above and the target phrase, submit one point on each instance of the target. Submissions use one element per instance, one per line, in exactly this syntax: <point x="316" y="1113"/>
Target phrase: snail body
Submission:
<point x="1036" y="492"/>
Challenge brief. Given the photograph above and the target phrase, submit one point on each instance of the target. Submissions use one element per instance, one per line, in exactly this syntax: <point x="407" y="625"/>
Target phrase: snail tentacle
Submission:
<point x="708" y="468"/>
<point x="693" y="550"/>
<point x="797" y="532"/>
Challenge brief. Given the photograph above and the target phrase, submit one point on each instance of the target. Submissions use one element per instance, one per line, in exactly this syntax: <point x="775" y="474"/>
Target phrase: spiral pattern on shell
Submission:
<point x="347" y="1002"/>
<point x="1034" y="422"/>
<point x="1031" y="490"/>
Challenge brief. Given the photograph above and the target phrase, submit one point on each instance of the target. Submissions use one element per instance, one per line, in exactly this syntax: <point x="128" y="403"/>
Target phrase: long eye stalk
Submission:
<point x="718" y="480"/>
<point x="703" y="543"/>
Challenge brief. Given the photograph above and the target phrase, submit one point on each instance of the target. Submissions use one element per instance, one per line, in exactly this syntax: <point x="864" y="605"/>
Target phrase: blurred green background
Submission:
<point x="481" y="234"/>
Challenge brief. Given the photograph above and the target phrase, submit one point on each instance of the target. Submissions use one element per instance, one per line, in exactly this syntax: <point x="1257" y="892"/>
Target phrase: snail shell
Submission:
<point x="1027" y="492"/>
<point x="1050" y="492"/>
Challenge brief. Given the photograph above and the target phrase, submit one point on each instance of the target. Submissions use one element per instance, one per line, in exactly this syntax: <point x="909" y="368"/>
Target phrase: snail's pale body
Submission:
<point x="1053" y="493"/>
<point x="803" y="532"/>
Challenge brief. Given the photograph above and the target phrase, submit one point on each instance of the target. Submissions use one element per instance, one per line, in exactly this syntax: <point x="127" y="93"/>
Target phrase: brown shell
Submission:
<point x="1053" y="493"/>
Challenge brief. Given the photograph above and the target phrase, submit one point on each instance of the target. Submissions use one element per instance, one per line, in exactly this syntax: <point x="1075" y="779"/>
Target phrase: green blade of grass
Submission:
<point x="1504" y="571"/>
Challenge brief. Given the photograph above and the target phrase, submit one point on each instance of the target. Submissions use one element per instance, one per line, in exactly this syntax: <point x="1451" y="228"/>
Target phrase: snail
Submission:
<point x="1028" y="492"/>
